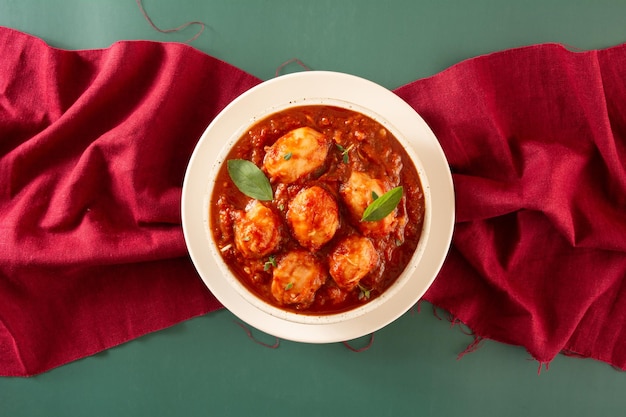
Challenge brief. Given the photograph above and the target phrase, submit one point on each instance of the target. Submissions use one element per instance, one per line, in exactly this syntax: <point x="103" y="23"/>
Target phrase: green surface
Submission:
<point x="209" y="366"/>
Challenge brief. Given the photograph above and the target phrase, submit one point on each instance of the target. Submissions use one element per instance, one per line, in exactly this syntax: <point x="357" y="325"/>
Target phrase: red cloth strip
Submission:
<point x="93" y="150"/>
<point x="536" y="138"/>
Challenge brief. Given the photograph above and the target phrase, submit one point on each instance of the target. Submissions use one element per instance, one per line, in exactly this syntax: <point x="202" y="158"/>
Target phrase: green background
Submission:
<point x="209" y="366"/>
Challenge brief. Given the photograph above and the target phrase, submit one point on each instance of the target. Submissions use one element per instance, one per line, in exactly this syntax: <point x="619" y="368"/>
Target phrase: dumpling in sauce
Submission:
<point x="351" y="260"/>
<point x="257" y="230"/>
<point x="296" y="154"/>
<point x="313" y="216"/>
<point x="357" y="194"/>
<point x="296" y="278"/>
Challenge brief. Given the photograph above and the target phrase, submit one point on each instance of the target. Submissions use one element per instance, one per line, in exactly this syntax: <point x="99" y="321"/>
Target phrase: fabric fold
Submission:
<point x="535" y="140"/>
<point x="93" y="149"/>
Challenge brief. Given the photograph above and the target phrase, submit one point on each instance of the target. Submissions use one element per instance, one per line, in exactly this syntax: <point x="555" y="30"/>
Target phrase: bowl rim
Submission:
<point x="312" y="88"/>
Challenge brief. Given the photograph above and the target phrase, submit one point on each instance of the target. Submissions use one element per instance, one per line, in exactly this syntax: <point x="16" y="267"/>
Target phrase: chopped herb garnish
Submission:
<point x="344" y="152"/>
<point x="287" y="156"/>
<point x="364" y="293"/>
<point x="271" y="262"/>
<point x="383" y="205"/>
<point x="249" y="179"/>
<point x="289" y="286"/>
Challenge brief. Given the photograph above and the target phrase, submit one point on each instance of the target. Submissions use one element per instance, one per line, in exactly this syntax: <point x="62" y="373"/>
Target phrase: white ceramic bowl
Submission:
<point x="323" y="88"/>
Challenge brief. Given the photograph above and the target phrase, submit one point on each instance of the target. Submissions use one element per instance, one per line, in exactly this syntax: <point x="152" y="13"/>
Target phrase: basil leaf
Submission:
<point x="383" y="205"/>
<point x="250" y="179"/>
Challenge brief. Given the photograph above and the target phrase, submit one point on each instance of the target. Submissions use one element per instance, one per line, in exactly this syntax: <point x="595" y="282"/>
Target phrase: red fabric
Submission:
<point x="94" y="144"/>
<point x="93" y="150"/>
<point x="536" y="139"/>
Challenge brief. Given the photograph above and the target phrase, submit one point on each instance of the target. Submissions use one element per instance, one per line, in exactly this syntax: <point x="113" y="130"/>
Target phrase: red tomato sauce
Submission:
<point x="372" y="149"/>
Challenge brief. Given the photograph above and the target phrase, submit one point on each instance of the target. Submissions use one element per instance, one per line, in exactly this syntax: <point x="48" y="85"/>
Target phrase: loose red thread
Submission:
<point x="249" y="333"/>
<point x="572" y="48"/>
<point x="541" y="365"/>
<point x="462" y="327"/>
<point x="435" y="313"/>
<point x="364" y="348"/>
<point x="472" y="347"/>
<point x="292" y="60"/>
<point x="417" y="308"/>
<point x="572" y="354"/>
<point x="178" y="29"/>
<point x="454" y="321"/>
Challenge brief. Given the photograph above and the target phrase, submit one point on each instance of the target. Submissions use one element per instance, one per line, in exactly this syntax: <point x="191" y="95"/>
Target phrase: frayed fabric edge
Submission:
<point x="478" y="341"/>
